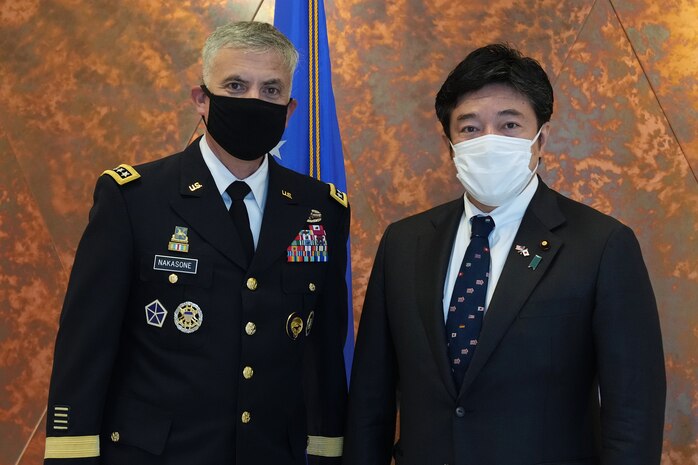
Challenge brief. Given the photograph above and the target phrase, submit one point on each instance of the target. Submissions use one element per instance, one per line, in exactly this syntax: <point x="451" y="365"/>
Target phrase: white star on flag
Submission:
<point x="275" y="152"/>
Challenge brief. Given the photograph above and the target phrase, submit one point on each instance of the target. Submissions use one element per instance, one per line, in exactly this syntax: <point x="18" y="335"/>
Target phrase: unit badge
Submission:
<point x="155" y="313"/>
<point x="179" y="241"/>
<point x="188" y="317"/>
<point x="314" y="217"/>
<point x="294" y="326"/>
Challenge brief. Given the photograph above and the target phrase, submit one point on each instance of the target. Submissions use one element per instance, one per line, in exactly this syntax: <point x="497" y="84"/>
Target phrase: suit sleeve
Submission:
<point x="89" y="331"/>
<point x="372" y="394"/>
<point x="629" y="355"/>
<point x="325" y="375"/>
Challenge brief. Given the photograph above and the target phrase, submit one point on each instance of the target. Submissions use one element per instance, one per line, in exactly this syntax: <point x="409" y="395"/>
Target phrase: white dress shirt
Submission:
<point x="507" y="219"/>
<point x="258" y="182"/>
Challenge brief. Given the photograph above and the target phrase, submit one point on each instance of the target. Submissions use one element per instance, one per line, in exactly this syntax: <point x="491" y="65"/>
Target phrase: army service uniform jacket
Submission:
<point x="170" y="351"/>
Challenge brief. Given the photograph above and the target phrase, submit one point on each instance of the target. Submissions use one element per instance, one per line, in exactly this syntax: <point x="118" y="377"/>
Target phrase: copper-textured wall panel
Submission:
<point x="32" y="282"/>
<point x="87" y="85"/>
<point x="614" y="149"/>
<point x="664" y="36"/>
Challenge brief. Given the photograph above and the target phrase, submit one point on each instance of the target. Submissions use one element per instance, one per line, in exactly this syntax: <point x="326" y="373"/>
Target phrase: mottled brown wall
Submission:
<point x="88" y="84"/>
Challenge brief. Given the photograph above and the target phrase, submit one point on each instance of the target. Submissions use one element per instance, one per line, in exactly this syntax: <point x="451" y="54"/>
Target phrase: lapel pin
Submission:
<point x="179" y="241"/>
<point x="286" y="194"/>
<point x="522" y="250"/>
<point x="534" y="262"/>
<point x="195" y="187"/>
<point x="545" y="245"/>
<point x="314" y="217"/>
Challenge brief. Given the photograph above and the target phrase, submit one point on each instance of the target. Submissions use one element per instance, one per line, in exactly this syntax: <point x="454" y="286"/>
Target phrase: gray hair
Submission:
<point x="253" y="36"/>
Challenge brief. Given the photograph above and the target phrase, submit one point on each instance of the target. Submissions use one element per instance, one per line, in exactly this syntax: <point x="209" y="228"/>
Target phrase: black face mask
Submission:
<point x="246" y="128"/>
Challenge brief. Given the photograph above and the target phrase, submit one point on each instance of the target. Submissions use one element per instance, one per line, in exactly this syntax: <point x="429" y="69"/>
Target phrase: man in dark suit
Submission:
<point x="205" y="317"/>
<point x="512" y="326"/>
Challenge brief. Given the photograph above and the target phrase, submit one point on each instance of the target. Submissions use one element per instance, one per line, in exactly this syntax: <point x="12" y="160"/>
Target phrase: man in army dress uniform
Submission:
<point x="205" y="317"/>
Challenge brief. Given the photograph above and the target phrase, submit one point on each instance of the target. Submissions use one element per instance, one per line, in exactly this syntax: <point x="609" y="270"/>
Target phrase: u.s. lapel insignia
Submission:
<point x="314" y="217"/>
<point x="188" y="317"/>
<point x="309" y="323"/>
<point x="195" y="187"/>
<point x="155" y="313"/>
<point x="534" y="262"/>
<point x="287" y="194"/>
<point x="179" y="241"/>
<point x="522" y="250"/>
<point x="294" y="325"/>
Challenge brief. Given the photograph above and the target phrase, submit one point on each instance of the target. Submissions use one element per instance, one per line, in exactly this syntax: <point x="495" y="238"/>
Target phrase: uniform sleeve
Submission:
<point x="372" y="400"/>
<point x="89" y="331"/>
<point x="325" y="375"/>
<point x="629" y="356"/>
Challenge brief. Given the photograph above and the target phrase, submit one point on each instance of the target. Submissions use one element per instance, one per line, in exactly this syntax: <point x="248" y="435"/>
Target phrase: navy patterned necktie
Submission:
<point x="238" y="212"/>
<point x="467" y="306"/>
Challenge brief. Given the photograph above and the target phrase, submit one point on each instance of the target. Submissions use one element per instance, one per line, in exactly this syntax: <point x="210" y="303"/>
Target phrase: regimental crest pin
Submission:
<point x="294" y="326"/>
<point x="314" y="217"/>
<point x="179" y="241"/>
<point x="522" y="250"/>
<point x="155" y="313"/>
<point x="188" y="317"/>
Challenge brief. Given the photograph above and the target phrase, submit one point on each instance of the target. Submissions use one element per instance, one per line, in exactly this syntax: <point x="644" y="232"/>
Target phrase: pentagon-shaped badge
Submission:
<point x="155" y="313"/>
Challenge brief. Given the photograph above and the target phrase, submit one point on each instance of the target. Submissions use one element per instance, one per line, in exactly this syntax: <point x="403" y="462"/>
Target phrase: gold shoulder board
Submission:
<point x="338" y="195"/>
<point x="123" y="174"/>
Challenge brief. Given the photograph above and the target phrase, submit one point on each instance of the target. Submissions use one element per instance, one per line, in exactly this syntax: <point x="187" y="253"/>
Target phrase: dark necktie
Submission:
<point x="238" y="212"/>
<point x="467" y="306"/>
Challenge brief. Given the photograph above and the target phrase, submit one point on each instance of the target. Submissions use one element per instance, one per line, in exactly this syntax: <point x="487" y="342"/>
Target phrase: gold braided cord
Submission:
<point x="310" y="89"/>
<point x="316" y="63"/>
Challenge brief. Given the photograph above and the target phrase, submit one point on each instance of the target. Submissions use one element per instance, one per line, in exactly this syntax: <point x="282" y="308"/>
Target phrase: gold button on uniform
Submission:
<point x="173" y="278"/>
<point x="247" y="372"/>
<point x="250" y="328"/>
<point x="246" y="417"/>
<point x="115" y="436"/>
<point x="251" y="284"/>
<point x="311" y="286"/>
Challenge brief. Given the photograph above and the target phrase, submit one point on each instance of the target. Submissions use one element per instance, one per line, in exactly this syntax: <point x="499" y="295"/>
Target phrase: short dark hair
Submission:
<point x="496" y="63"/>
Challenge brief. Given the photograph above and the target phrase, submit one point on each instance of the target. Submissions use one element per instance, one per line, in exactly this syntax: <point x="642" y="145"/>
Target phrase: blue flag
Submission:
<point x="311" y="143"/>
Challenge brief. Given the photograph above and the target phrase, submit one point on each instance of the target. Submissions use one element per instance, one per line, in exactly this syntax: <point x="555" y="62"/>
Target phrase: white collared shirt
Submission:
<point x="258" y="182"/>
<point x="507" y="219"/>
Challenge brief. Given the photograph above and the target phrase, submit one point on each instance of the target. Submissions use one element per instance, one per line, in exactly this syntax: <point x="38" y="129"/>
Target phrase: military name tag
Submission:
<point x="183" y="265"/>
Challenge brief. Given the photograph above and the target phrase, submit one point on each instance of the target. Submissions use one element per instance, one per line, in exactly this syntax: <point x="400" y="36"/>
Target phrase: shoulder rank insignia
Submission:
<point x="338" y="195"/>
<point x="123" y="174"/>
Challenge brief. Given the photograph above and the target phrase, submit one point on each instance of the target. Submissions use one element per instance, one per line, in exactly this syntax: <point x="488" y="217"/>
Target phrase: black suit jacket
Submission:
<point x="585" y="314"/>
<point x="239" y="389"/>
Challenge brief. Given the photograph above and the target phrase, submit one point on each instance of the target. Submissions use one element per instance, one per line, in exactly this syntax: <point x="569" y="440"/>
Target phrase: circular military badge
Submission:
<point x="294" y="326"/>
<point x="188" y="317"/>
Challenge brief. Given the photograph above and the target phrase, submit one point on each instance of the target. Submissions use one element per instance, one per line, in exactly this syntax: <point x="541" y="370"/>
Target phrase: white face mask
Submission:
<point x="494" y="169"/>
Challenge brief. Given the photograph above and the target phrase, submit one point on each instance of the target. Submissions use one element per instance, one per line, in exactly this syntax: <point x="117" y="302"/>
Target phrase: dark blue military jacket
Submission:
<point x="171" y="351"/>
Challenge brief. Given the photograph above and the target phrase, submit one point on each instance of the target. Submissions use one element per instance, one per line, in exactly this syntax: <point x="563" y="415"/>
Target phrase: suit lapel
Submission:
<point x="284" y="216"/>
<point x="519" y="278"/>
<point x="200" y="204"/>
<point x="433" y="255"/>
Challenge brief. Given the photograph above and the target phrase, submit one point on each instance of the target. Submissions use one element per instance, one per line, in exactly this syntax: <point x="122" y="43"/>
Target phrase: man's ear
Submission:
<point x="292" y="104"/>
<point x="200" y="100"/>
<point x="543" y="138"/>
